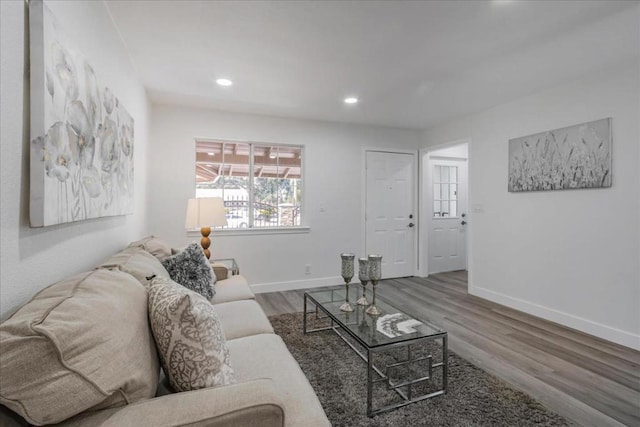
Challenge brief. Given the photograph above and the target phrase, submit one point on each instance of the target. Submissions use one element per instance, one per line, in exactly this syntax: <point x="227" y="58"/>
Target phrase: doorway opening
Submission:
<point x="445" y="197"/>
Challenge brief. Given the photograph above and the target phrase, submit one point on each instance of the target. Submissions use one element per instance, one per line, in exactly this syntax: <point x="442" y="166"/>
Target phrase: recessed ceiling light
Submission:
<point x="211" y="154"/>
<point x="351" y="100"/>
<point x="224" y="82"/>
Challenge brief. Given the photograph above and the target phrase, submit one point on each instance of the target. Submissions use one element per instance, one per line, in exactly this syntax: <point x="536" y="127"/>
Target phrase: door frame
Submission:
<point x="416" y="199"/>
<point x="425" y="204"/>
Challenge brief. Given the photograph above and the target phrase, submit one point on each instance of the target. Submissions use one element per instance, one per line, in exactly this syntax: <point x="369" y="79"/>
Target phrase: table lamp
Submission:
<point x="204" y="213"/>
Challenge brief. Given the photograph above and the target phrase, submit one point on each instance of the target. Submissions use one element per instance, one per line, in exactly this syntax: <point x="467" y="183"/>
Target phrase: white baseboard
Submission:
<point x="608" y="333"/>
<point x="261" y="288"/>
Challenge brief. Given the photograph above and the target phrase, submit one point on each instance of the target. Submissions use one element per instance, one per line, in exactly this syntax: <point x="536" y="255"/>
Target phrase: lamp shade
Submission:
<point x="205" y="212"/>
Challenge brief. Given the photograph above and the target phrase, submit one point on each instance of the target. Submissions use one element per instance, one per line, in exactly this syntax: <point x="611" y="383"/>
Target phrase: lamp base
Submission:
<point x="373" y="311"/>
<point x="205" y="241"/>
<point x="346" y="307"/>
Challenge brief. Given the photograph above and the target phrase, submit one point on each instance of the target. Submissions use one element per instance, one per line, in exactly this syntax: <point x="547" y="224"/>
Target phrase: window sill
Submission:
<point x="251" y="231"/>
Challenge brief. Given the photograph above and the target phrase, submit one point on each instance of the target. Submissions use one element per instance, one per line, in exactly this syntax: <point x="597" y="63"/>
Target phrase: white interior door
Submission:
<point x="448" y="223"/>
<point x="390" y="213"/>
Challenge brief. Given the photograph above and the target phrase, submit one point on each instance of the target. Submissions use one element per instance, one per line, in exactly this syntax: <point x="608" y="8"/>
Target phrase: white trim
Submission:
<point x="261" y="288"/>
<point x="416" y="198"/>
<point x="455" y="159"/>
<point x="425" y="194"/>
<point x="252" y="231"/>
<point x="421" y="271"/>
<point x="605" y="332"/>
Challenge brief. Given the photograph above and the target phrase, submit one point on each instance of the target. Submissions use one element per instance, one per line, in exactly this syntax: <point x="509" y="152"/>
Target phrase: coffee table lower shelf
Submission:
<point x="376" y="375"/>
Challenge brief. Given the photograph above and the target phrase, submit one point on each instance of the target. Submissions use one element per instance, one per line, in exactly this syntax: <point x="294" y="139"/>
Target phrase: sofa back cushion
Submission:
<point x="137" y="262"/>
<point x="82" y="343"/>
<point x="155" y="246"/>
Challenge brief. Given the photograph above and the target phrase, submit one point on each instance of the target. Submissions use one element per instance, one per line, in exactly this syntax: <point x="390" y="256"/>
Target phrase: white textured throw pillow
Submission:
<point x="189" y="337"/>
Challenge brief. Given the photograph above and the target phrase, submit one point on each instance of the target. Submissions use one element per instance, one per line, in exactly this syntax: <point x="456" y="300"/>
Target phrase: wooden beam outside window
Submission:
<point x="232" y="159"/>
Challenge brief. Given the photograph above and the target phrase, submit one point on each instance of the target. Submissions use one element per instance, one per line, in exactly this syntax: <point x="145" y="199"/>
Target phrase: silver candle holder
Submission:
<point x="363" y="275"/>
<point x="347" y="275"/>
<point x="375" y="274"/>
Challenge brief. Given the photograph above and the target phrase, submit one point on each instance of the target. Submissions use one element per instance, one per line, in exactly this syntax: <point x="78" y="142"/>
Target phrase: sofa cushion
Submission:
<point x="155" y="246"/>
<point x="234" y="288"/>
<point x="266" y="356"/>
<point x="242" y="318"/>
<point x="189" y="337"/>
<point x="249" y="404"/>
<point x="81" y="343"/>
<point x="137" y="262"/>
<point x="192" y="269"/>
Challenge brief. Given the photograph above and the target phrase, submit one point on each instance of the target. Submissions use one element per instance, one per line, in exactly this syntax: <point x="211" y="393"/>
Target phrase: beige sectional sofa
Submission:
<point x="271" y="390"/>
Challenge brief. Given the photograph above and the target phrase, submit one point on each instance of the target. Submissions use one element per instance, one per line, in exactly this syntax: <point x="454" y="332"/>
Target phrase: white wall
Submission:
<point x="458" y="151"/>
<point x="332" y="206"/>
<point x="568" y="256"/>
<point x="33" y="258"/>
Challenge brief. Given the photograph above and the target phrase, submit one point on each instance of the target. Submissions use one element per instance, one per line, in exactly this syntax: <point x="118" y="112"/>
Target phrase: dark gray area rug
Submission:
<point x="338" y="376"/>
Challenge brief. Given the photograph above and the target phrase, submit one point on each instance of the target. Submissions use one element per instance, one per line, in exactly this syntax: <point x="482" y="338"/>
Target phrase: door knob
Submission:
<point x="411" y="224"/>
<point x="463" y="222"/>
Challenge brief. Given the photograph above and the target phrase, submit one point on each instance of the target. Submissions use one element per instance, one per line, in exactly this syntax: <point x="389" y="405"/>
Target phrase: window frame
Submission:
<point x="251" y="229"/>
<point x="448" y="198"/>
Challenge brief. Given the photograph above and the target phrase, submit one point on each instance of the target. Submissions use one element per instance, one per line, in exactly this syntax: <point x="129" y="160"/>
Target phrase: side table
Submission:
<point x="229" y="263"/>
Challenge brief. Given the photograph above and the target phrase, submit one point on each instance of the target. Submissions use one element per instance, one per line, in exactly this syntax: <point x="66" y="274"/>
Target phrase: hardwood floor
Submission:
<point x="587" y="380"/>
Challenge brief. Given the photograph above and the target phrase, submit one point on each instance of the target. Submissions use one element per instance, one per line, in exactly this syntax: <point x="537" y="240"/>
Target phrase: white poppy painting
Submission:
<point x="81" y="135"/>
<point x="573" y="157"/>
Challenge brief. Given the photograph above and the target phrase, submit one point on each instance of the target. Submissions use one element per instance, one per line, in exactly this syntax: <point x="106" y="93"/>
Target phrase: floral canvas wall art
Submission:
<point x="82" y="137"/>
<point x="573" y="157"/>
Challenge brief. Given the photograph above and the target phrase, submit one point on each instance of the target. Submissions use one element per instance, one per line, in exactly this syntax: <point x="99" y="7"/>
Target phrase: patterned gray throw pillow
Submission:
<point x="191" y="269"/>
<point x="188" y="334"/>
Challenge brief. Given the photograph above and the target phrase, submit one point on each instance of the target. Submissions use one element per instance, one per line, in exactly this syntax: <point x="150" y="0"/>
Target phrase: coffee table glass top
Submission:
<point x="393" y="325"/>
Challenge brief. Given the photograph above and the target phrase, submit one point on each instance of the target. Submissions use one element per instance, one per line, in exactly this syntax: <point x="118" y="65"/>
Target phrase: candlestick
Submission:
<point x="375" y="274"/>
<point x="363" y="275"/>
<point x="347" y="275"/>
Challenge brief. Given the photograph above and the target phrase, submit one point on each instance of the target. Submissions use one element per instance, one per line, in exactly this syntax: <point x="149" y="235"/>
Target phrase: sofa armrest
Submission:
<point x="238" y="405"/>
<point x="221" y="271"/>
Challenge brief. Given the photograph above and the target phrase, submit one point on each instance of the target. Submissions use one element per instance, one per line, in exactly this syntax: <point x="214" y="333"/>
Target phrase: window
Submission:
<point x="261" y="184"/>
<point x="445" y="191"/>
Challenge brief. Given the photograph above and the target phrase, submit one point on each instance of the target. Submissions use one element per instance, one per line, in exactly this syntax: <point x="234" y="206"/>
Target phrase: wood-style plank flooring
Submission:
<point x="588" y="380"/>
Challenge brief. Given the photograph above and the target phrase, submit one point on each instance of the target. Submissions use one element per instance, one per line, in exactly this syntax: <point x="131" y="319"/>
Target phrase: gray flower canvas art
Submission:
<point x="573" y="157"/>
<point x="82" y="137"/>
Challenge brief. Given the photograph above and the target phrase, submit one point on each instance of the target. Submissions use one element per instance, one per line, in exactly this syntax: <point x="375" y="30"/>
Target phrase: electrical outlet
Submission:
<point x="307" y="269"/>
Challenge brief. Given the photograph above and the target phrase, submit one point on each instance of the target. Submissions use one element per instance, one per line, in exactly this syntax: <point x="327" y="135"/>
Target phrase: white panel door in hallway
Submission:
<point x="390" y="211"/>
<point x="448" y="223"/>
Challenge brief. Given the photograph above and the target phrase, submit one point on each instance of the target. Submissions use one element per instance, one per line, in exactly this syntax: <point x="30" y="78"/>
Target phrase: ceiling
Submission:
<point x="411" y="64"/>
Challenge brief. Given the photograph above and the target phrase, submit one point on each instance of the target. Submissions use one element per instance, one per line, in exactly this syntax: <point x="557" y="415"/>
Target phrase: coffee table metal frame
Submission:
<point x="367" y="356"/>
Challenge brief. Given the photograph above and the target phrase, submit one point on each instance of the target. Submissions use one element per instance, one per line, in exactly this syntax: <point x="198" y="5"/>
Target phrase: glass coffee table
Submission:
<point x="406" y="357"/>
